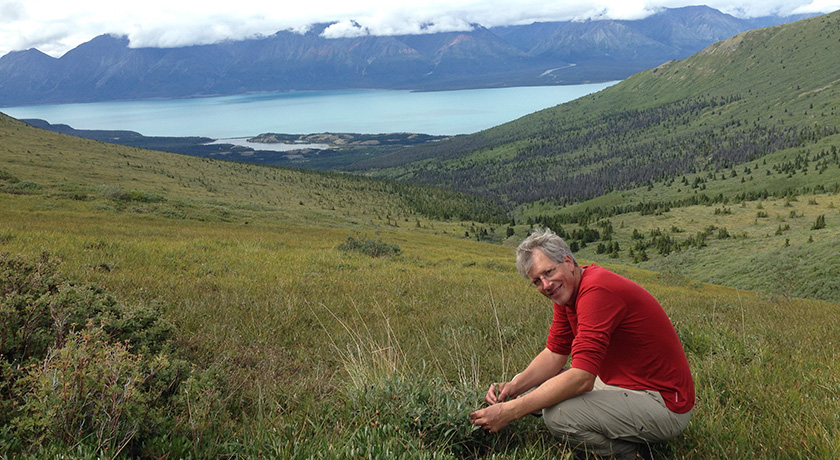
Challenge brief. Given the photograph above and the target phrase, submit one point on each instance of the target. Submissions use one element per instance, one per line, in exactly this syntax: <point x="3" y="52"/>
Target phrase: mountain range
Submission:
<point x="107" y="68"/>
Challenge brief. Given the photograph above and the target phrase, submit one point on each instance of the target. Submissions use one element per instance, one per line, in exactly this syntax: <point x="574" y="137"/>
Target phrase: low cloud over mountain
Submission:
<point x="107" y="68"/>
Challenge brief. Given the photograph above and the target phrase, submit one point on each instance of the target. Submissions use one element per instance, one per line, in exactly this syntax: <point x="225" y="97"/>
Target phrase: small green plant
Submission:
<point x="819" y="223"/>
<point x="374" y="248"/>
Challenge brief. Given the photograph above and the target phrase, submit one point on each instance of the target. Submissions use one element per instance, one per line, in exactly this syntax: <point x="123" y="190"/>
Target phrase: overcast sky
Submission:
<point x="56" y="26"/>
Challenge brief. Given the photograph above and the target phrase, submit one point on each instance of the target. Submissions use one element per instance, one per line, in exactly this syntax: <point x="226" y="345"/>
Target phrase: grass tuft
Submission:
<point x="368" y="246"/>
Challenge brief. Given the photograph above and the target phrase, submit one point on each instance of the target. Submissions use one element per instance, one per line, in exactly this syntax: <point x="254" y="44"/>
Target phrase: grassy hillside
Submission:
<point x="742" y="99"/>
<point x="302" y="347"/>
<point x="167" y="184"/>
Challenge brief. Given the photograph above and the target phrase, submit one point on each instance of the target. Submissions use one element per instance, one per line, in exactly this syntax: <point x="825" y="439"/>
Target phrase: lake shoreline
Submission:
<point x="451" y="112"/>
<point x="268" y="146"/>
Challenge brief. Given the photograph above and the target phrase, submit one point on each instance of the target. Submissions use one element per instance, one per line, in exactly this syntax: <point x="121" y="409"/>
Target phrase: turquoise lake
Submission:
<point x="355" y="111"/>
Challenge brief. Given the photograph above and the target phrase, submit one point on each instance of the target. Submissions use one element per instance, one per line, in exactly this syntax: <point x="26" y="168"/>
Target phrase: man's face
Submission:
<point x="555" y="280"/>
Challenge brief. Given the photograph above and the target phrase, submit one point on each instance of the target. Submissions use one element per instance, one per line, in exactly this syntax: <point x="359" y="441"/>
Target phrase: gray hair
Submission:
<point x="546" y="241"/>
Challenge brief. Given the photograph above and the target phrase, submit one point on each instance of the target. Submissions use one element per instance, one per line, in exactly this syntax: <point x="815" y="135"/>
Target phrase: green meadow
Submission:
<point x="260" y="312"/>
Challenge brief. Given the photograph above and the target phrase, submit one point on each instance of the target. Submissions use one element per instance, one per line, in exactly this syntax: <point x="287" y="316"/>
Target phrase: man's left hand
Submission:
<point x="493" y="418"/>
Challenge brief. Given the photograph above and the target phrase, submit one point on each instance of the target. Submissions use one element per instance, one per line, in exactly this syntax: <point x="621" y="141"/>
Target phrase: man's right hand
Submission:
<point x="499" y="392"/>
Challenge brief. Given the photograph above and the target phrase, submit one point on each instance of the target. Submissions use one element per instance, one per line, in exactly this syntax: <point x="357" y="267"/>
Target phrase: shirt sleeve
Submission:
<point x="600" y="311"/>
<point x="560" y="334"/>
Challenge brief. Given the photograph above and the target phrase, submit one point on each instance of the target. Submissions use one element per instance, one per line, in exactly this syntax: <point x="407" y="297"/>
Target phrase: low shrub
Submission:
<point x="433" y="415"/>
<point x="90" y="386"/>
<point x="78" y="369"/>
<point x="39" y="309"/>
<point x="369" y="246"/>
<point x="7" y="176"/>
<point x="117" y="193"/>
<point x="25" y="187"/>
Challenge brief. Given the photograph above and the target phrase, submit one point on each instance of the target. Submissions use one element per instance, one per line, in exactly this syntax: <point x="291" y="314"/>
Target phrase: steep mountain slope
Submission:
<point x="738" y="100"/>
<point x="591" y="39"/>
<point x="106" y="68"/>
<point x="691" y="27"/>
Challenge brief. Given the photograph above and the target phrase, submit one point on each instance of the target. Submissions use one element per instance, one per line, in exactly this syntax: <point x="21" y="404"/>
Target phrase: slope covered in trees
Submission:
<point x="738" y="100"/>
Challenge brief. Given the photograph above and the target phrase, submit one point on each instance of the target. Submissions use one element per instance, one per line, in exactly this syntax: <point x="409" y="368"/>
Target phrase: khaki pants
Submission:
<point x="612" y="422"/>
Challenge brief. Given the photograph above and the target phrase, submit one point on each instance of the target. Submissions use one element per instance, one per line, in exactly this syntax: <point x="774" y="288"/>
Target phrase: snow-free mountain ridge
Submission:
<point x="107" y="68"/>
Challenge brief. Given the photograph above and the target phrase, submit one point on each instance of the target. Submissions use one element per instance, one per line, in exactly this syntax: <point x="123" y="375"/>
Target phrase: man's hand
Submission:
<point x="493" y="418"/>
<point x="499" y="392"/>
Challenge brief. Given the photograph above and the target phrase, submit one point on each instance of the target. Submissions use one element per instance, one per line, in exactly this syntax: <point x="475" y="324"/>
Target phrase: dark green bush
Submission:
<point x="78" y="368"/>
<point x="819" y="224"/>
<point x="90" y="386"/>
<point x="39" y="309"/>
<point x="26" y="287"/>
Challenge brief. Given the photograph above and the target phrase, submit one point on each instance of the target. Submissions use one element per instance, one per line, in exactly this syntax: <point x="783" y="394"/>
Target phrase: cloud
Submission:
<point x="399" y="22"/>
<point x="817" y="6"/>
<point x="753" y="9"/>
<point x="173" y="32"/>
<point x="55" y="26"/>
<point x="12" y="11"/>
<point x="346" y="28"/>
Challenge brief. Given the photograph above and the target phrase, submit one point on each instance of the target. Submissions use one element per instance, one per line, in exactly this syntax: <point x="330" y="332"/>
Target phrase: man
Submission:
<point x="629" y="383"/>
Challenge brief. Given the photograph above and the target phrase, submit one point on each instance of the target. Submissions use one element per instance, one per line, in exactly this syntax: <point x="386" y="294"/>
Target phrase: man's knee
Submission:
<point x="573" y="427"/>
<point x="570" y="420"/>
<point x="604" y="422"/>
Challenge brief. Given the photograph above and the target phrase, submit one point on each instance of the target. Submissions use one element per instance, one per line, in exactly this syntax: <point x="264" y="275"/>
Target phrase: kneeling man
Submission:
<point x="629" y="382"/>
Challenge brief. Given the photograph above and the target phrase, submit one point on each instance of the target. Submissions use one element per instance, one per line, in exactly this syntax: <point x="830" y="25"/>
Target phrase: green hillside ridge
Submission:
<point x="287" y="341"/>
<point x="737" y="101"/>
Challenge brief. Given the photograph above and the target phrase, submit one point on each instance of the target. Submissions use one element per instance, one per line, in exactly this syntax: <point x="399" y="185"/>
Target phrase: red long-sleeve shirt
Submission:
<point x="619" y="332"/>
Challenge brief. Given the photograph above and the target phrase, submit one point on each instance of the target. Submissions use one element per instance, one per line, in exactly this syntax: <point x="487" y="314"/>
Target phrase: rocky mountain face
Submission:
<point x="106" y="68"/>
